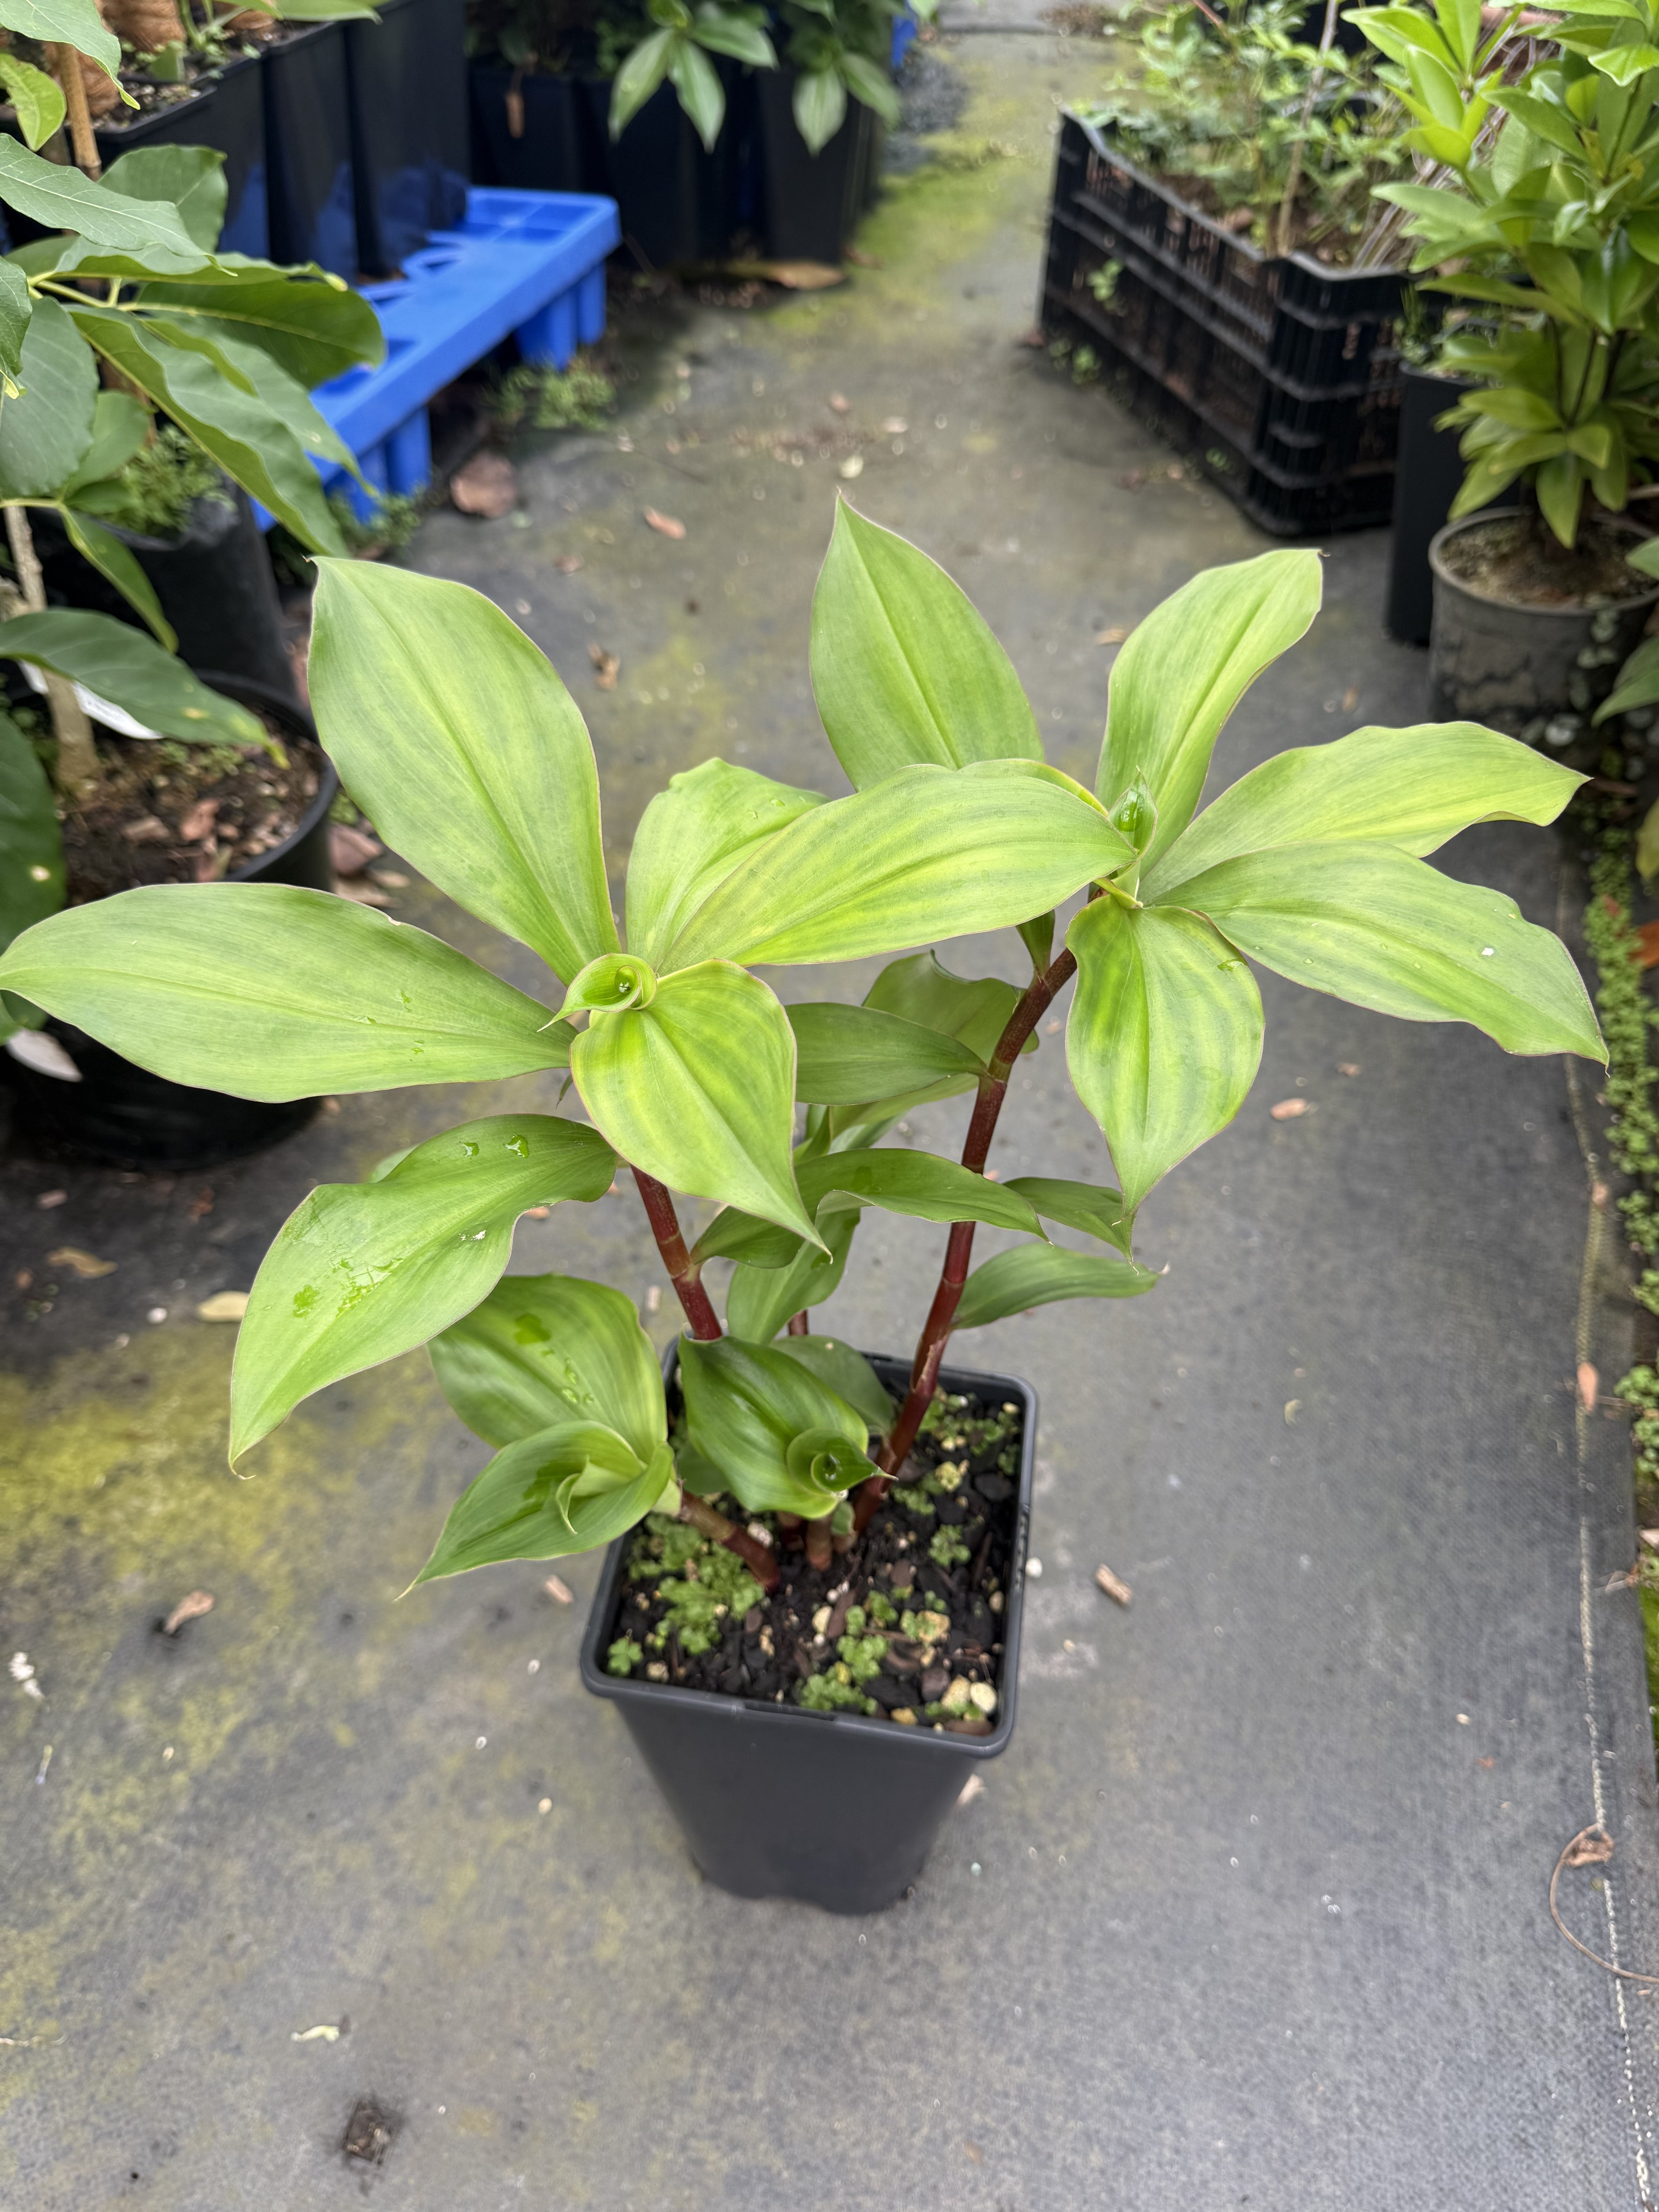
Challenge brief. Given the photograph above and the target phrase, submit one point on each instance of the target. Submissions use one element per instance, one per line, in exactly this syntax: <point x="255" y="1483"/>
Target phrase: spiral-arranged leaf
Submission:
<point x="542" y="1349"/>
<point x="844" y="1055"/>
<point x="690" y="839"/>
<point x="762" y="1296"/>
<point x="784" y="1441"/>
<point x="1037" y="1275"/>
<point x="572" y="1486"/>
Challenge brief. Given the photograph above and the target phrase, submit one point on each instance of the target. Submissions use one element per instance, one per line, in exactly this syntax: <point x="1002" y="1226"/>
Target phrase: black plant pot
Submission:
<point x="1428" y="476"/>
<point x="830" y="1809"/>
<point x="123" y="1113"/>
<point x="811" y="203"/>
<point x="676" y="202"/>
<point x="225" y="110"/>
<point x="558" y="149"/>
<point x="406" y="81"/>
<point x="311" y="201"/>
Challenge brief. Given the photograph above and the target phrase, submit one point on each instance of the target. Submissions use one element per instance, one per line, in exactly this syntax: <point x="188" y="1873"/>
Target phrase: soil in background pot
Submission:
<point x="907" y="1623"/>
<point x="1515" y="558"/>
<point x="221" y="105"/>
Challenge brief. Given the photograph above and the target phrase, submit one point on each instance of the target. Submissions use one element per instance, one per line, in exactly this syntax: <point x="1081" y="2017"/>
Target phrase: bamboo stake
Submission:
<point x="78" y="771"/>
<point x="66" y="68"/>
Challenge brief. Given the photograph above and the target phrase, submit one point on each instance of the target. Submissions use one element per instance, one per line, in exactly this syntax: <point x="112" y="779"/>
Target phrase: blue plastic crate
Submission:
<point x="905" y="27"/>
<point x="529" y="264"/>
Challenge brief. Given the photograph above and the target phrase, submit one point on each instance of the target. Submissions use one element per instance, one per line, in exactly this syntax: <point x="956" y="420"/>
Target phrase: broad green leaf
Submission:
<point x="36" y="97"/>
<point x="844" y="1055"/>
<point x="868" y="81"/>
<point x="847" y="1373"/>
<point x="311" y="324"/>
<point x="1414" y="788"/>
<point x="905" y="669"/>
<point x="975" y="1009"/>
<point x="16" y="305"/>
<point x="70" y="22"/>
<point x="542" y="1349"/>
<point x="1164" y="1035"/>
<point x="130" y="669"/>
<point x="44" y="433"/>
<point x="31" y="842"/>
<point x="761" y="1299"/>
<point x="930" y="853"/>
<point x="724" y="31"/>
<point x="690" y="839"/>
<point x="120" y="425"/>
<point x="270" y="991"/>
<point x="917" y="1183"/>
<point x="1369" y="924"/>
<point x="1639" y="679"/>
<point x="639" y="77"/>
<point x="1037" y="1274"/>
<point x="361" y="1271"/>
<point x="106" y="553"/>
<point x="190" y="178"/>
<point x="698" y="1088"/>
<point x="699" y="91"/>
<point x="751" y="1409"/>
<point x="575" y="1486"/>
<point x="251" y="369"/>
<point x="1098" y="1211"/>
<point x="61" y="199"/>
<point x="457" y="739"/>
<point x="1624" y="64"/>
<point x="1185" y="668"/>
<point x="819" y="103"/>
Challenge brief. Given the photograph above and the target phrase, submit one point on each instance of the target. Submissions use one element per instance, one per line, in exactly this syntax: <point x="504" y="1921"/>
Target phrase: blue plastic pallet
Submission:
<point x="530" y="264"/>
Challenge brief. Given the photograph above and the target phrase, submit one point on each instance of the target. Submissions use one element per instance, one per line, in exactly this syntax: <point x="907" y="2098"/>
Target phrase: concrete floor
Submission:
<point x="1253" y="1912"/>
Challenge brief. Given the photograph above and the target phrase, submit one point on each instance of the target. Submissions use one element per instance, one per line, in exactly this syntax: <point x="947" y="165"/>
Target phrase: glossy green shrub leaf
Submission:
<point x="905" y="669"/>
<point x="819" y="106"/>
<point x="690" y="839"/>
<point x="121" y="665"/>
<point x="457" y="739"/>
<point x="542" y="1349"/>
<point x="847" y="1372"/>
<point x="639" y="77"/>
<point x="113" y="561"/>
<point x="761" y="1299"/>
<point x="313" y="325"/>
<point x="749" y="1407"/>
<point x="362" y="1271"/>
<point x="1038" y="1274"/>
<point x="189" y="179"/>
<point x="700" y="93"/>
<point x="46" y="431"/>
<point x="37" y="99"/>
<point x="72" y="22"/>
<point x="1410" y="788"/>
<point x="847" y="1054"/>
<point x="1164" y="1035"/>
<point x="16" y="305"/>
<point x="270" y="991"/>
<point x="31" y="842"/>
<point x="1369" y="924"/>
<point x="120" y="424"/>
<point x="1185" y="668"/>
<point x="574" y="1485"/>
<point x="1098" y="1211"/>
<point x="698" y="1090"/>
<point x="59" y="198"/>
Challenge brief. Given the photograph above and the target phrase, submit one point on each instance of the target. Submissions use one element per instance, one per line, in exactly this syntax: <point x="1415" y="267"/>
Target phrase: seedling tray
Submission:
<point x="1280" y="375"/>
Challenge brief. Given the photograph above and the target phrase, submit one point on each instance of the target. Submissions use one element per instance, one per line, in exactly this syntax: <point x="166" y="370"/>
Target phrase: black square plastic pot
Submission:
<point x="559" y="148"/>
<point x="311" y="196"/>
<point x="833" y="1809"/>
<point x="811" y="203"/>
<point x="225" y="110"/>
<point x="406" y="81"/>
<point x="676" y="202"/>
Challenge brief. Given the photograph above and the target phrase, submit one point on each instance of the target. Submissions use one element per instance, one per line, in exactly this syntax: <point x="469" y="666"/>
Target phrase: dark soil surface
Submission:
<point x="907" y="1623"/>
<point x="1517" y="559"/>
<point x="235" y="802"/>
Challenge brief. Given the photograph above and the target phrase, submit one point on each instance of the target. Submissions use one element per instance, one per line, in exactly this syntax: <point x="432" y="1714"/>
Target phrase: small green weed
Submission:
<point x="576" y="398"/>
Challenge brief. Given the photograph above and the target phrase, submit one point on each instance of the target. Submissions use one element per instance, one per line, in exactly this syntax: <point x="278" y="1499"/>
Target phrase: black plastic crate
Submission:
<point x="1280" y="375"/>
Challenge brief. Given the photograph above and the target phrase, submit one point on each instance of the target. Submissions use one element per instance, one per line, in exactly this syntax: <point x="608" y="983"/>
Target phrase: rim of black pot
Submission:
<point x="622" y="1689"/>
<point x="248" y="692"/>
<point x="1525" y="606"/>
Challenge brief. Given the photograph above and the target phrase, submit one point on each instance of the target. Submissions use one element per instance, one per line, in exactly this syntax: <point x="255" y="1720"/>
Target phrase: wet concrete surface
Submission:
<point x="1253" y="1911"/>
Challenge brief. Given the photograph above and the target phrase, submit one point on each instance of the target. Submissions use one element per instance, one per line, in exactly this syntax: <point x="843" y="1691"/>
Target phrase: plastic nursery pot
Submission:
<point x="123" y="1113"/>
<point x="224" y="109"/>
<point x="811" y="203"/>
<point x="1428" y="475"/>
<point x="556" y="146"/>
<point x="832" y="1810"/>
<point x="312" y="203"/>
<point x="1534" y="671"/>
<point x="677" y="204"/>
<point x="406" y="82"/>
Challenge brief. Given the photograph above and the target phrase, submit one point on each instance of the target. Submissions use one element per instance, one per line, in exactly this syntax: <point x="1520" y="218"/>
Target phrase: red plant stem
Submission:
<point x="755" y="1556"/>
<point x="959" y="1246"/>
<point x="682" y="1271"/>
<point x="800" y="1324"/>
<point x="818" y="1544"/>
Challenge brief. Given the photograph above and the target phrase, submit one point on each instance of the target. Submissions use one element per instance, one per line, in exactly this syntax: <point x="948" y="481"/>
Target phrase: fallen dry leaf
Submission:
<point x="24" y="1278"/>
<point x="894" y="427"/>
<point x="363" y="892"/>
<point x="326" y="2034"/>
<point x="351" y="850"/>
<point x="1114" y="1585"/>
<point x="605" y="667"/>
<point x="1599" y="1195"/>
<point x="201" y="1205"/>
<point x="1053" y="1029"/>
<point x="188" y="1608"/>
<point x="1487" y="1763"/>
<point x="559" y="1591"/>
<point x="537" y="1212"/>
<point x="1292" y="1407"/>
<point x="794" y="276"/>
<point x="1645" y="950"/>
<point x="223" y="1306"/>
<point x="566" y="563"/>
<point x="200" y="821"/>
<point x="1593" y="1848"/>
<point x="859" y="259"/>
<point x="389" y="880"/>
<point x="1650" y="1537"/>
<point x="970" y="1789"/>
<point x="148" y="829"/>
<point x="48" y="1199"/>
<point x="1114" y="635"/>
<point x="841" y="406"/>
<point x="486" y="485"/>
<point x="973" y="2148"/>
<point x="1348" y="1068"/>
<point x="1289" y="1109"/>
<point x="1351" y="698"/>
<point x="79" y="1262"/>
<point x="852" y="466"/>
<point x="1034" y="337"/>
<point x="665" y="523"/>
<point x="1590" y="1386"/>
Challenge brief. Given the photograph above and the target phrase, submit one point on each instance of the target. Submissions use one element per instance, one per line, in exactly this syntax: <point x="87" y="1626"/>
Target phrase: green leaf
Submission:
<point x="867" y="82"/>
<point x="1186" y="667"/>
<point x="71" y="22"/>
<point x="914" y="1183"/>
<point x="723" y="31"/>
<point x="845" y="1054"/>
<point x="361" y="1271"/>
<point x="1369" y="924"/>
<point x="975" y="1010"/>
<point x="820" y="106"/>
<point x="121" y="665"/>
<point x="1624" y="64"/>
<point x="847" y="1373"/>
<point x="691" y="838"/>
<point x="574" y="1485"/>
<point x="1164" y="1035"/>
<point x="1639" y="679"/>
<point x="269" y="992"/>
<point x="748" y="1406"/>
<point x="457" y="739"/>
<point x="1037" y="1274"/>
<point x="1098" y="1213"/>
<point x="761" y="1299"/>
<point x="61" y="199"/>
<point x="310" y="323"/>
<point x="250" y="368"/>
<point x="37" y="99"/>
<point x="697" y="1088"/>
<point x="31" y="842"/>
<point x="120" y="425"/>
<point x="699" y="90"/>
<point x="1414" y="788"/>
<point x="1037" y="935"/>
<point x="905" y="669"/>
<point x="106" y="553"/>
<point x="189" y="178"/>
<point x="639" y="77"/>
<point x="16" y="305"/>
<point x="930" y="853"/>
<point x="46" y="432"/>
<point x="542" y="1349"/>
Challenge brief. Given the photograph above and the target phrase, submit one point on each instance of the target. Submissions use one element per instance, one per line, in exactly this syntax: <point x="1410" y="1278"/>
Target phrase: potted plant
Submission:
<point x="847" y="1541"/>
<point x="1547" y="220"/>
<point x="823" y="123"/>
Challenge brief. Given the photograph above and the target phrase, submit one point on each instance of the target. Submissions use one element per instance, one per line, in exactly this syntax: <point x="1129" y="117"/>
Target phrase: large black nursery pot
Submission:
<point x="811" y="203"/>
<point x="676" y="201"/>
<point x="406" y="83"/>
<point x="122" y="1113"/>
<point x="310" y="191"/>
<point x="556" y="146"/>
<point x="1535" y="672"/>
<point x="832" y="1810"/>
<point x="225" y="109"/>
<point x="1428" y="476"/>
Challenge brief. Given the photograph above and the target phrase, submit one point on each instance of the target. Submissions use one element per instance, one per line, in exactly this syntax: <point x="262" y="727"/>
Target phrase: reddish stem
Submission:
<point x="818" y="1545"/>
<point x="683" y="1271"/>
<point x="755" y="1556"/>
<point x="799" y="1324"/>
